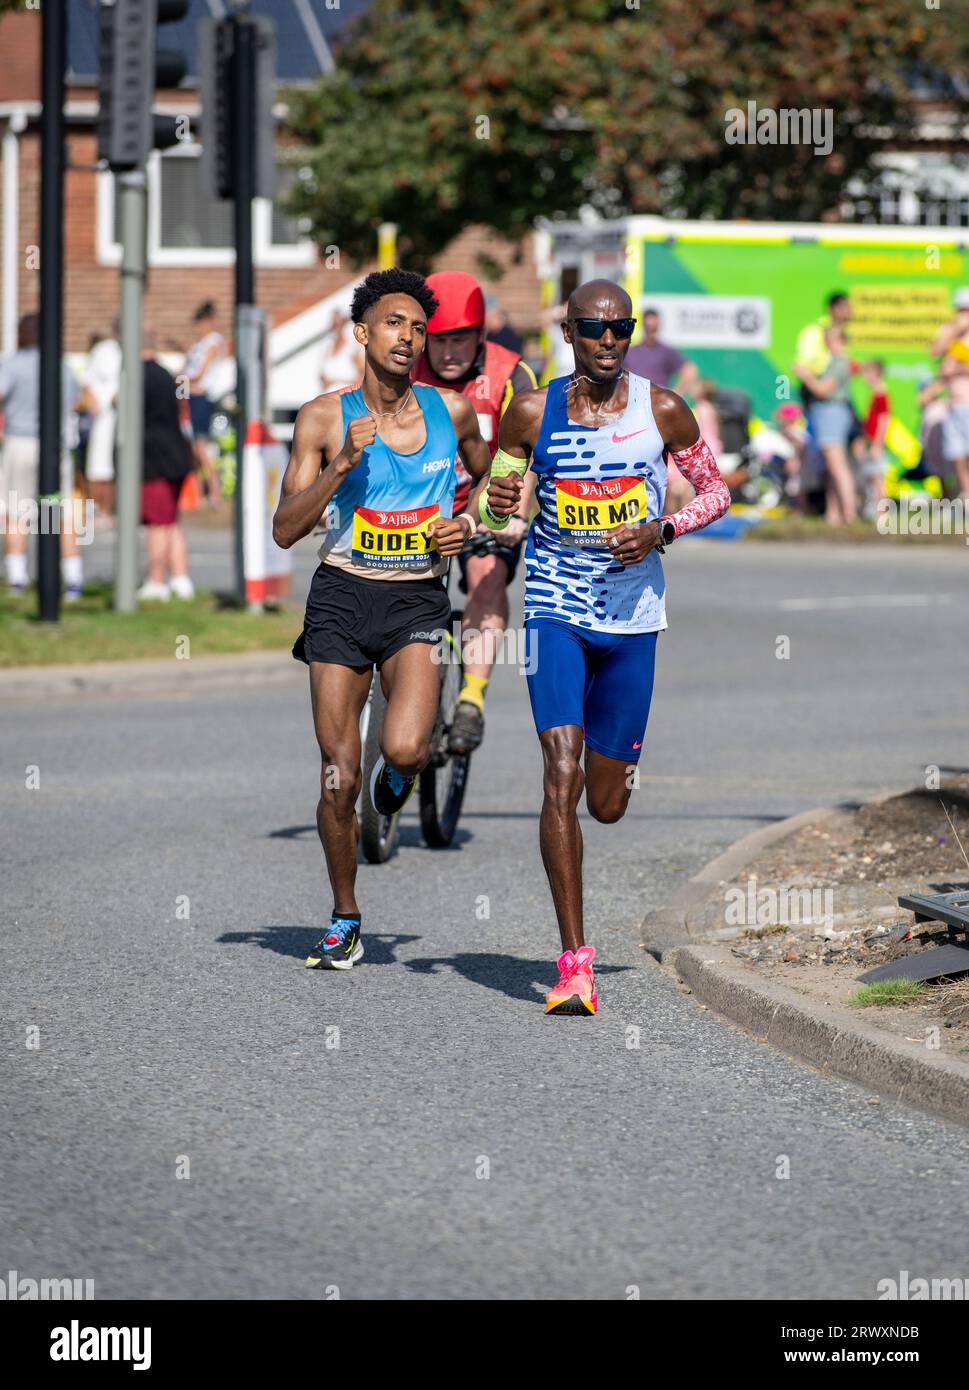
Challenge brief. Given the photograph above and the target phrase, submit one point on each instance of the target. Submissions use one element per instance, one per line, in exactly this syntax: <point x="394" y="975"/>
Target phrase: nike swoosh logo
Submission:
<point x="637" y="745"/>
<point x="621" y="438"/>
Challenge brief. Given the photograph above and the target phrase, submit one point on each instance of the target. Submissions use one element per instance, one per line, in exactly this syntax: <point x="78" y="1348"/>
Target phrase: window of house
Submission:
<point x="188" y="226"/>
<point x="188" y="215"/>
<point x="285" y="227"/>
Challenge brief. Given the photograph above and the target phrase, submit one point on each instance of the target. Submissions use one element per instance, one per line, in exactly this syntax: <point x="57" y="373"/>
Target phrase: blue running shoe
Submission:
<point x="389" y="789"/>
<point x="340" y="948"/>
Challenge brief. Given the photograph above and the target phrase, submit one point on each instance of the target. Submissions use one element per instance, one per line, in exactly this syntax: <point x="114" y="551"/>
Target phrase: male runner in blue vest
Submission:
<point x="594" y="589"/>
<point x="381" y="461"/>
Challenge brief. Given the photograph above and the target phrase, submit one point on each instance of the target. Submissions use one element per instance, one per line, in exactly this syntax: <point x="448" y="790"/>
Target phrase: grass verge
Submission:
<point x="90" y="630"/>
<point x="815" y="528"/>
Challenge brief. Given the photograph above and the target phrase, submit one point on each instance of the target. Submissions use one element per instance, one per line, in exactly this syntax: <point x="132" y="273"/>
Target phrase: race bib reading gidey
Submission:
<point x="393" y="540"/>
<point x="588" y="510"/>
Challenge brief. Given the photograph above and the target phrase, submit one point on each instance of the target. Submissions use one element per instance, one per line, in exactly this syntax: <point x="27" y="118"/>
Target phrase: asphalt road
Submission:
<point x="457" y="1143"/>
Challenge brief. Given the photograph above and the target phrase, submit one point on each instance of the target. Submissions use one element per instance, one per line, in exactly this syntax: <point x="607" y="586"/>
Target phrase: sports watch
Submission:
<point x="667" y="530"/>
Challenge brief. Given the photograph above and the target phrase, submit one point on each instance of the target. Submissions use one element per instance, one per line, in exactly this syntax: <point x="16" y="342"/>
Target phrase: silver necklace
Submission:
<point x="382" y="413"/>
<point x="574" y="381"/>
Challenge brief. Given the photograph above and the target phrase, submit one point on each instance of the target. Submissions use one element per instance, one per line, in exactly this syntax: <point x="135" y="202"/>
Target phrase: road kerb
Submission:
<point x="832" y="1039"/>
<point x="145" y="679"/>
<point x="666" y="928"/>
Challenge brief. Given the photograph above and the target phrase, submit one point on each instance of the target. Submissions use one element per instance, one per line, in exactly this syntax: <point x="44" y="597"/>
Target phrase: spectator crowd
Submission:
<point x="817" y="455"/>
<point x="178" y="416"/>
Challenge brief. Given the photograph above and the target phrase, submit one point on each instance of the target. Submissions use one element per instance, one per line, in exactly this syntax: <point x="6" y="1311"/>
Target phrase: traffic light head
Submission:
<point x="131" y="66"/>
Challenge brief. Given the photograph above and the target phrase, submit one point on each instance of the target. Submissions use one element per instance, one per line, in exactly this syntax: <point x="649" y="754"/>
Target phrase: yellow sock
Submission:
<point x="473" y="691"/>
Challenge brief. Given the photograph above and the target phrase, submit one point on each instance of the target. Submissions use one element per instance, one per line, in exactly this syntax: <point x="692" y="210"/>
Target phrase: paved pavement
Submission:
<point x="363" y="1165"/>
<point x="209" y="550"/>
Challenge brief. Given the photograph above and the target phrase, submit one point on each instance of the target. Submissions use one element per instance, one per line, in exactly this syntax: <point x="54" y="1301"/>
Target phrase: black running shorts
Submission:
<point x="361" y="622"/>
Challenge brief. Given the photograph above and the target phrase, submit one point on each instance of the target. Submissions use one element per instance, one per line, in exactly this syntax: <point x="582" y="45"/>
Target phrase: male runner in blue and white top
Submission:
<point x="381" y="462"/>
<point x="594" y="589"/>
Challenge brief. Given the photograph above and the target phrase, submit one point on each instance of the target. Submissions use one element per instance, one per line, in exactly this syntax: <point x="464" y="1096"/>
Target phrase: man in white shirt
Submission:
<point x="101" y="383"/>
<point x="341" y="361"/>
<point x="20" y="462"/>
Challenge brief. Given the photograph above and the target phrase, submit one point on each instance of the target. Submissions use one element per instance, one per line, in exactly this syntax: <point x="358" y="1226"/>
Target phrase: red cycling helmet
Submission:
<point x="461" y="303"/>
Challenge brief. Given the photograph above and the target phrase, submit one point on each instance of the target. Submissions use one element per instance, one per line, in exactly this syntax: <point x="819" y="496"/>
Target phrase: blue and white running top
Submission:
<point x="376" y="523"/>
<point x="591" y="479"/>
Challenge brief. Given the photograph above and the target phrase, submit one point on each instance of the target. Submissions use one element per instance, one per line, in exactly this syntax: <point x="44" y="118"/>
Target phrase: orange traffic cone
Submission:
<point x="189" y="498"/>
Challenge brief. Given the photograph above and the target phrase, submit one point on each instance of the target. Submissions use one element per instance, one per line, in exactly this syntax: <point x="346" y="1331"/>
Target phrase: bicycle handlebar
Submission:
<point x="482" y="543"/>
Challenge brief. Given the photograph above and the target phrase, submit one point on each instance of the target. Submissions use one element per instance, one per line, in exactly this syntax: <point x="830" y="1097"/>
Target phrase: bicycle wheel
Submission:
<point x="378" y="834"/>
<point x="445" y="777"/>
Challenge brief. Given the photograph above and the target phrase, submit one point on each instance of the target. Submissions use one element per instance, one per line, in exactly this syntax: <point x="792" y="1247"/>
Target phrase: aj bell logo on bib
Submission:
<point x="393" y="540"/>
<point x="587" y="511"/>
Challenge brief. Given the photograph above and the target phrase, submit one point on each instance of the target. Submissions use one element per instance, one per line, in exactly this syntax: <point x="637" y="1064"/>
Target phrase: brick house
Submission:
<point x="190" y="256"/>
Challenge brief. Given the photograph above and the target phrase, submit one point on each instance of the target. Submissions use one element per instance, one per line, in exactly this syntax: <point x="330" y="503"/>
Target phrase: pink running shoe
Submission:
<point x="575" y="992"/>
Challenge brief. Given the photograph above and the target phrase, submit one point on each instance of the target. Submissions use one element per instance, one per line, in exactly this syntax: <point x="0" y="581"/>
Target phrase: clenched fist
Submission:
<point x="504" y="494"/>
<point x="449" y="533"/>
<point x="361" y="433"/>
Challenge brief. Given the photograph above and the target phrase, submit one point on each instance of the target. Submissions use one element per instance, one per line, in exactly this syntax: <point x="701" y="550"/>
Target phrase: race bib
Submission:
<point x="393" y="540"/>
<point x="587" y="510"/>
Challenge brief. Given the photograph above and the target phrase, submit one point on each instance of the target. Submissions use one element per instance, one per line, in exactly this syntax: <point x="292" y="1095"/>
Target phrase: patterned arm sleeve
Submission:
<point x="712" y="499"/>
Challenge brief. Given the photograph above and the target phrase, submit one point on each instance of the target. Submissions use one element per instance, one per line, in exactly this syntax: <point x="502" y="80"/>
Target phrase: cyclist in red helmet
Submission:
<point x="457" y="355"/>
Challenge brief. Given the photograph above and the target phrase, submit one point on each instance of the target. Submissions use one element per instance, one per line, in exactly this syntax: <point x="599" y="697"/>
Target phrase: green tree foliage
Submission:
<point x="444" y="113"/>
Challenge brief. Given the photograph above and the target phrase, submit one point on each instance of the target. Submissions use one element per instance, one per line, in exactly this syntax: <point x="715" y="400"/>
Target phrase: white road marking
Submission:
<point x="804" y="605"/>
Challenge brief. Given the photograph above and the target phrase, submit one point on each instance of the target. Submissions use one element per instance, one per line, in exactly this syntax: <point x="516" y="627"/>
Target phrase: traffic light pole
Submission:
<point x="132" y="192"/>
<point x="247" y="355"/>
<point x="51" y="306"/>
<point x="130" y="67"/>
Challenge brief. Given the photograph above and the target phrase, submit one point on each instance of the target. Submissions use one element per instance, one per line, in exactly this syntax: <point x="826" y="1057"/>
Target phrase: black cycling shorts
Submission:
<point x="509" y="554"/>
<point x="361" y="622"/>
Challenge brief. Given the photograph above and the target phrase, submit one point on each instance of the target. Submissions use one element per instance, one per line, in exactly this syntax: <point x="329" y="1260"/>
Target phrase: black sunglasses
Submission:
<point x="594" y="328"/>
